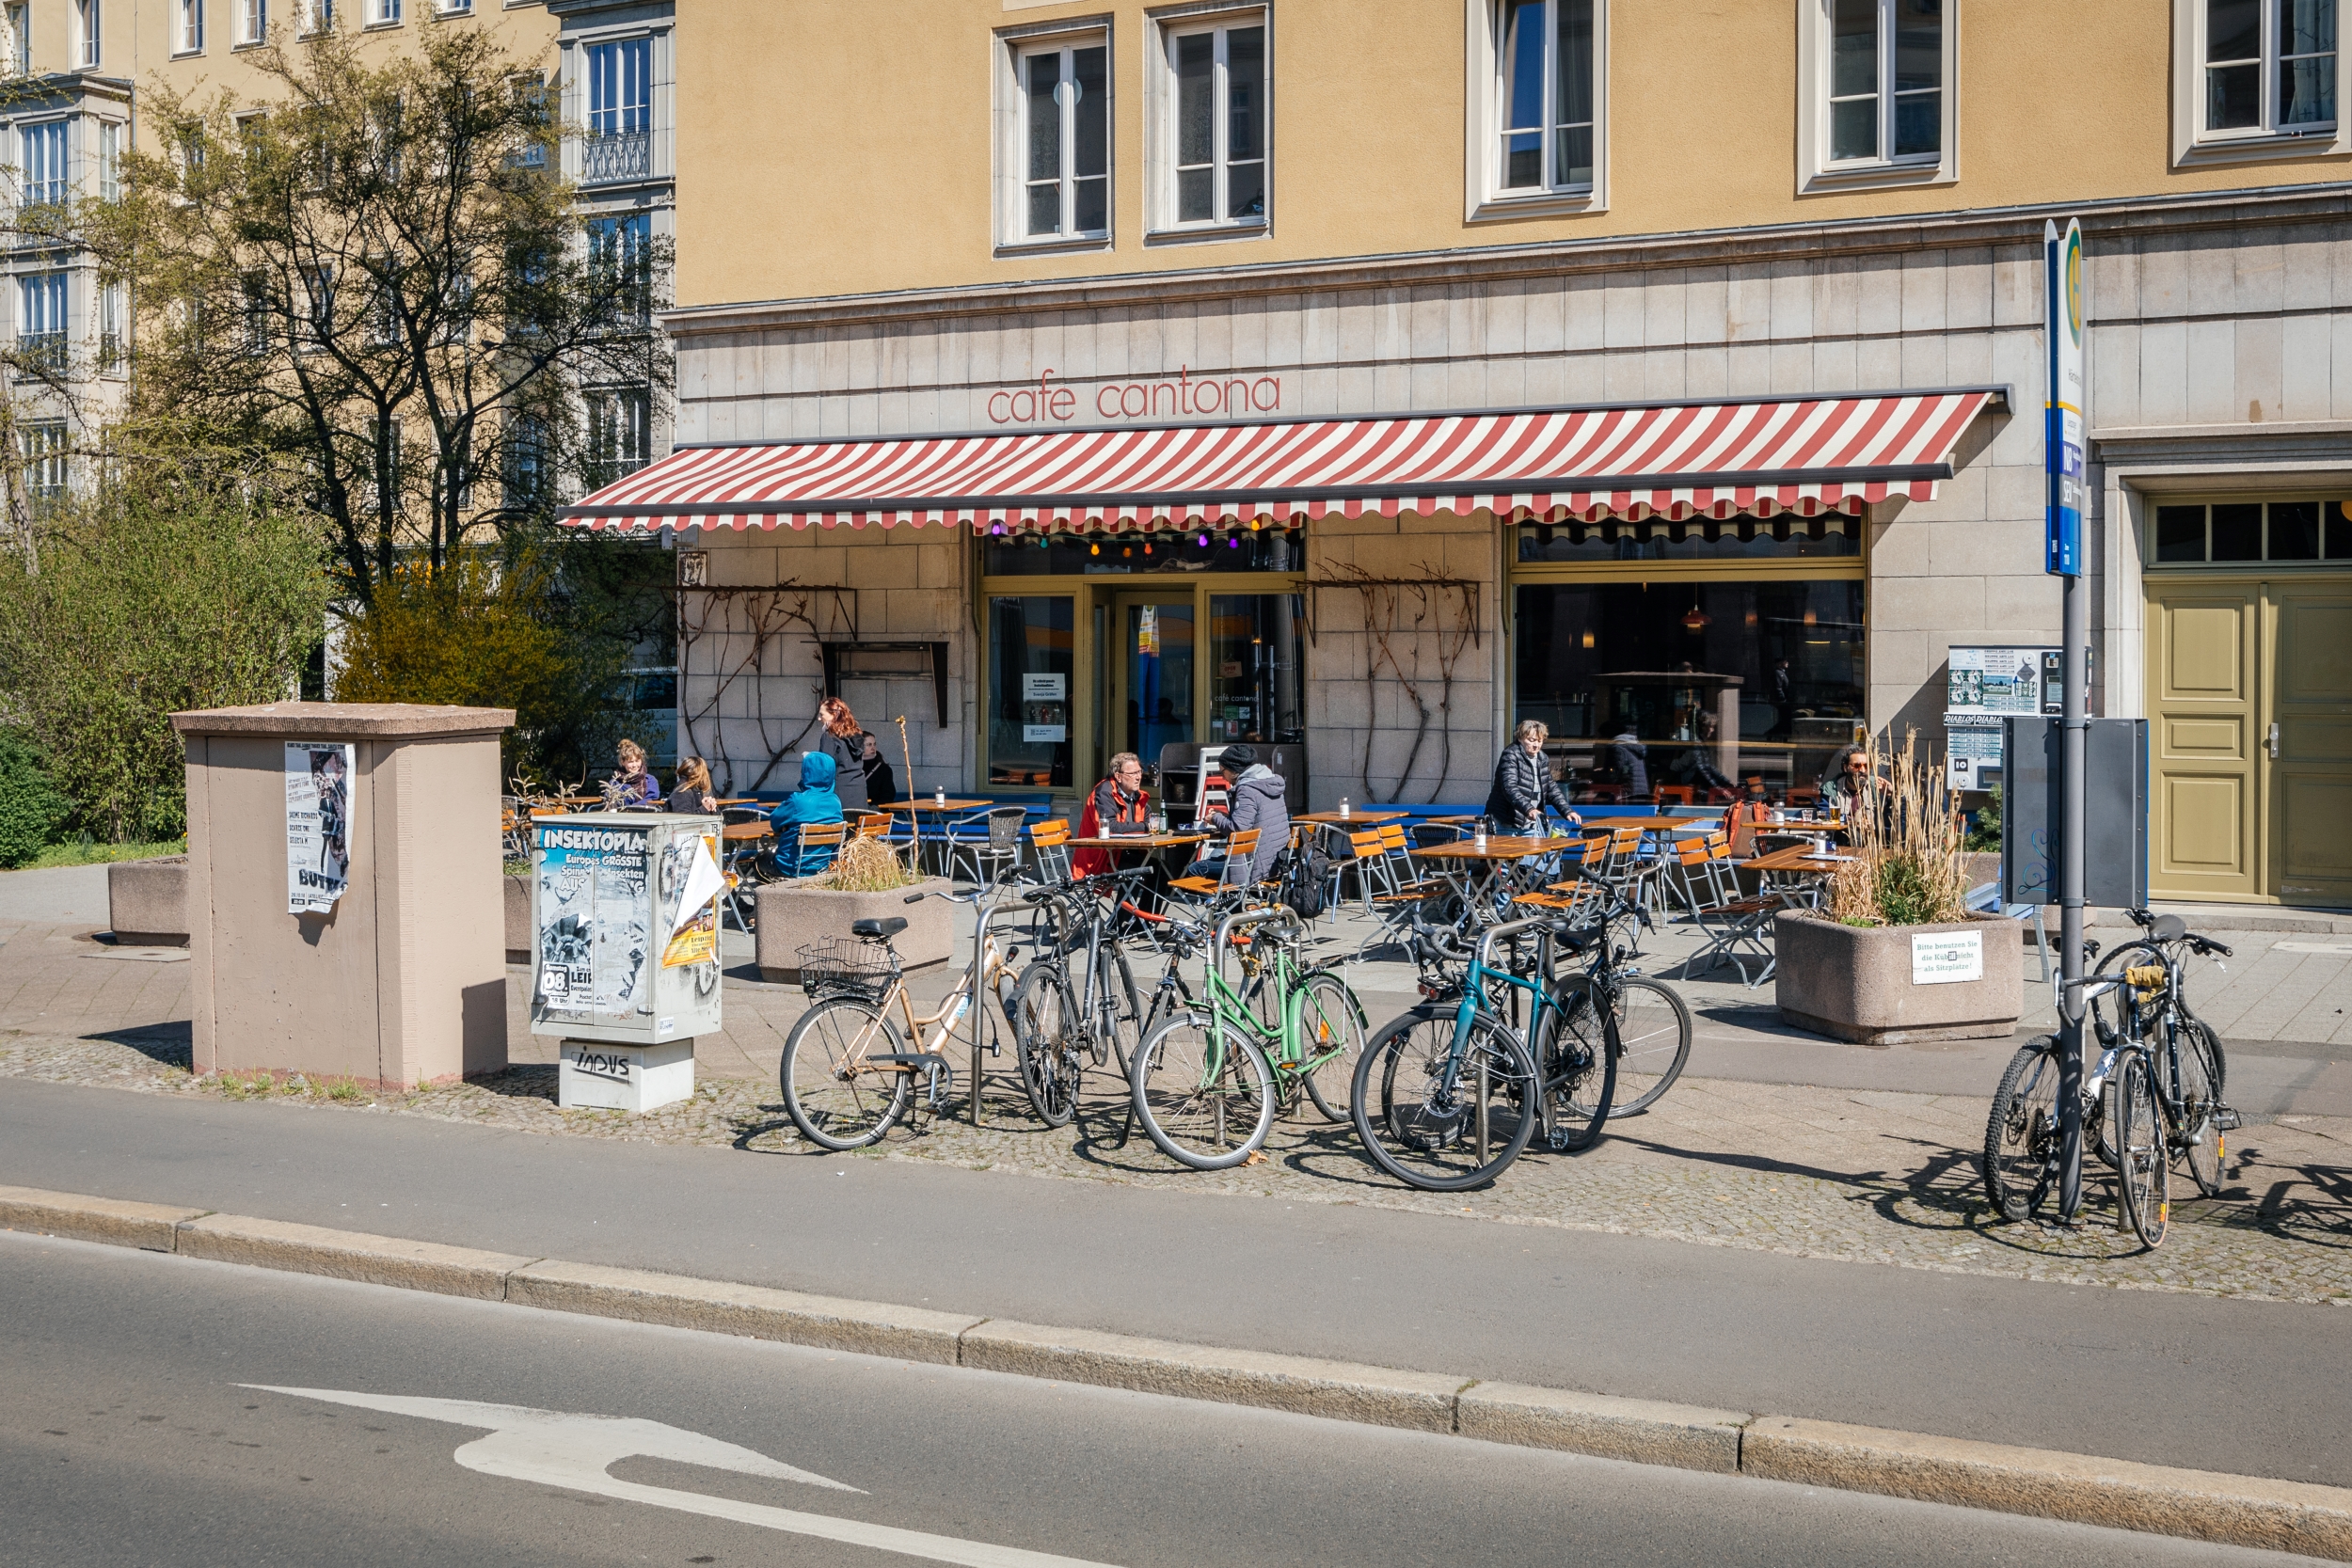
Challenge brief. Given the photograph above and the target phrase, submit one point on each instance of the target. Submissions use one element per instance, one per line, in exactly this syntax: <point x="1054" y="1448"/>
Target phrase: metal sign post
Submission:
<point x="2062" y="442"/>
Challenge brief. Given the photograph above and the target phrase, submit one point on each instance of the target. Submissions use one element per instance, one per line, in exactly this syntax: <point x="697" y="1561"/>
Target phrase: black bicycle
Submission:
<point x="1076" y="1006"/>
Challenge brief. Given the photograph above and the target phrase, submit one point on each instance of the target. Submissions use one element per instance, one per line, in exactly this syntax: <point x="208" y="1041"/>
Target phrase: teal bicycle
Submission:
<point x="1207" y="1082"/>
<point x="1450" y="1093"/>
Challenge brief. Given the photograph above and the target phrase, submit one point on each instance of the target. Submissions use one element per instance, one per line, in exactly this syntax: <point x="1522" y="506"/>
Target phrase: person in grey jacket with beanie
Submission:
<point x="1255" y="798"/>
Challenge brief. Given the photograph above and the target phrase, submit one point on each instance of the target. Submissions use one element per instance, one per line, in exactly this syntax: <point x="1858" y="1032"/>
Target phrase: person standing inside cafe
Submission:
<point x="1524" y="787"/>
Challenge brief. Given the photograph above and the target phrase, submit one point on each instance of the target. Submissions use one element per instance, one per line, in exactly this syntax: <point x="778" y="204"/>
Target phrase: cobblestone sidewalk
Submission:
<point x="1861" y="1176"/>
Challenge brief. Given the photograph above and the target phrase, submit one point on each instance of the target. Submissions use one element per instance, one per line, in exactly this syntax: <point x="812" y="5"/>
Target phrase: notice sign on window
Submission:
<point x="318" y="824"/>
<point x="1947" y="958"/>
<point x="1047" y="687"/>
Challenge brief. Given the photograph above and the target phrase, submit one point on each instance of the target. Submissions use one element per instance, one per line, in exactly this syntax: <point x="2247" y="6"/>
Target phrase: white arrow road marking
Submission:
<point x="572" y="1452"/>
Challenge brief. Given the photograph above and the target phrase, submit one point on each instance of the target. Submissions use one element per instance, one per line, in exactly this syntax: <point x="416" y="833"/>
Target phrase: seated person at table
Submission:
<point x="634" y="787"/>
<point x="882" y="784"/>
<point x="691" y="793"/>
<point x="813" y="801"/>
<point x="1255" y="798"/>
<point x="1119" y="804"/>
<point x="1696" y="767"/>
<point x="1853" y="782"/>
<point x="1524" y="785"/>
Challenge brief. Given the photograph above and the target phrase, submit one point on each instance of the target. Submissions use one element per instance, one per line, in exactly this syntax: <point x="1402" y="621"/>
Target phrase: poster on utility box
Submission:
<point x="593" y="942"/>
<point x="318" y="824"/>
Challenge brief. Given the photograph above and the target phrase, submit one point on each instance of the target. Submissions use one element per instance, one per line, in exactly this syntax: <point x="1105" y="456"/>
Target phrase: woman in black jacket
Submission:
<point x="1524" y="785"/>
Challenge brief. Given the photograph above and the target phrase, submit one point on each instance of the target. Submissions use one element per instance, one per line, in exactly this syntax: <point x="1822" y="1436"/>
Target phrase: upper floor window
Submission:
<point x="90" y="28"/>
<point x="456" y="7"/>
<point x="114" y="320"/>
<point x="1879" y="86"/>
<point x="189" y="39"/>
<point x="2270" y="66"/>
<point x="383" y="13"/>
<point x="315" y="16"/>
<point x="19" y="19"/>
<point x="42" y="445"/>
<point x="42" y="169"/>
<point x="1065" y="141"/>
<point x="1217" y="126"/>
<point x="621" y="249"/>
<point x="252" y="20"/>
<point x="109" y="161"/>
<point x="619" y="145"/>
<point x="1546" y="95"/>
<point x="41" y="319"/>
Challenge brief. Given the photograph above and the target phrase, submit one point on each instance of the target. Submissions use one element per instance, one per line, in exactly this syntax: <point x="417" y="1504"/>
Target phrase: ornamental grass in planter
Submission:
<point x="866" y="881"/>
<point x="1895" y="958"/>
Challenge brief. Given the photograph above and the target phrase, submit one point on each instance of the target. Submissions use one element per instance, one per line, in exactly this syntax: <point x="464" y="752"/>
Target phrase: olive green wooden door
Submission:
<point x="2311" y="757"/>
<point x="2204" y="708"/>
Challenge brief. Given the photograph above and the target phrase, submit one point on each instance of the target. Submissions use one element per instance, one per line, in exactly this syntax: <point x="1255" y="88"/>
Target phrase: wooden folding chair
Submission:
<point x="1239" y="850"/>
<point x="1051" y="841"/>
<point x="827" y="836"/>
<point x="1731" y="924"/>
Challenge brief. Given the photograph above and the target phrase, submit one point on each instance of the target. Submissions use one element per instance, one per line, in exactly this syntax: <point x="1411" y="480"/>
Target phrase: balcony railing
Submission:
<point x="607" y="157"/>
<point x="47" y="350"/>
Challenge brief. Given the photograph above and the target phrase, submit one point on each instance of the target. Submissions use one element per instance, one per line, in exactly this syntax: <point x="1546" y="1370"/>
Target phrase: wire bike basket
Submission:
<point x="845" y="966"/>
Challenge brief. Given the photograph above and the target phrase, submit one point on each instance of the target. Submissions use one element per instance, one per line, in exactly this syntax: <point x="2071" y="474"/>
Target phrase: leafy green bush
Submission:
<point x="182" y="583"/>
<point x="31" y="810"/>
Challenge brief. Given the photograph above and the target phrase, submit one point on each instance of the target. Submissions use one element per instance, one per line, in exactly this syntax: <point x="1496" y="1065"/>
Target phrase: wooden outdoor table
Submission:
<point x="925" y="804"/>
<point x="1796" y="859"/>
<point x="1139" y="841"/>
<point x="736" y="800"/>
<point x="741" y="832"/>
<point x="1499" y="848"/>
<point x="1654" y="824"/>
<point x="1360" y="818"/>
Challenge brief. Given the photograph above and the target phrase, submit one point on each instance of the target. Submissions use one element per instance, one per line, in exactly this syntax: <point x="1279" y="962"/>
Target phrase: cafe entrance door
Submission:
<point x="1152" y="672"/>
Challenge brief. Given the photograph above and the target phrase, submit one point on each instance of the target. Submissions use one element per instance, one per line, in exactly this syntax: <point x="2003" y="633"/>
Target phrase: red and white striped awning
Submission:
<point x="1753" y="456"/>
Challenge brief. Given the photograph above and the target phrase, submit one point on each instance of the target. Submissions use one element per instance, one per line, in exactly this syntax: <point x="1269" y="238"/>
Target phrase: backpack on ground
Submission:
<point x="1303" y="876"/>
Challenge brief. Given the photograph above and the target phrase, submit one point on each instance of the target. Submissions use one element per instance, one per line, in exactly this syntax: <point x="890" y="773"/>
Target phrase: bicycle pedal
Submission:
<point x="2226" y="1119"/>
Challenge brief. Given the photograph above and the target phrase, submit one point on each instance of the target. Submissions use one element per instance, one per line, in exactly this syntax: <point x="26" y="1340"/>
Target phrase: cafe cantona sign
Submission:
<point x="1182" y="396"/>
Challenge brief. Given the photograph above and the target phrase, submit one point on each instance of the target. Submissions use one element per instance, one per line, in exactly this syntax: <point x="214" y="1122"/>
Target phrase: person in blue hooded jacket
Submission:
<point x="813" y="801"/>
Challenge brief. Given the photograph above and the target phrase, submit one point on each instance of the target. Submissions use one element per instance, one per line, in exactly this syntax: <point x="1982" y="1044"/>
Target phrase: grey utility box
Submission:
<point x="625" y="954"/>
<point x="2115" y="811"/>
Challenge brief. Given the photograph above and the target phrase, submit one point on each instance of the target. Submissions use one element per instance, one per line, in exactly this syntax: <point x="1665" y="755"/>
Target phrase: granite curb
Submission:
<point x="2247" y="1510"/>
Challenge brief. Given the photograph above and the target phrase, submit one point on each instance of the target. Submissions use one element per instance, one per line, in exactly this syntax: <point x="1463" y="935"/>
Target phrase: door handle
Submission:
<point x="2274" y="742"/>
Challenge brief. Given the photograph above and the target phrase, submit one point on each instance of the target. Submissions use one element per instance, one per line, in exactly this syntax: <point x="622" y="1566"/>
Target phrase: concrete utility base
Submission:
<point x="598" y="1075"/>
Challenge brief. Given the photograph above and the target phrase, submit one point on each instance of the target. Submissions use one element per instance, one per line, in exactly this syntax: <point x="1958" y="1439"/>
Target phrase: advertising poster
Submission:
<point x="318" y="824"/>
<point x="693" y="872"/>
<point x="593" y="944"/>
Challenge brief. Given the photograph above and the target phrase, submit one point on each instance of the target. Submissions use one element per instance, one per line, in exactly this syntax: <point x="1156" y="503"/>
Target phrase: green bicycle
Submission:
<point x="1207" y="1083"/>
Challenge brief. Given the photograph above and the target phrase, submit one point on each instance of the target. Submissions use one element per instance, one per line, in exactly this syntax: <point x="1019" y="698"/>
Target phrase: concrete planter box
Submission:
<point x="1857" y="982"/>
<point x="518" y="934"/>
<point x="792" y="914"/>
<point x="146" y="902"/>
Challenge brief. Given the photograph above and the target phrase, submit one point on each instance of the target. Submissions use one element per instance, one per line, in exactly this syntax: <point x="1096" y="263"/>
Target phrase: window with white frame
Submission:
<point x="456" y="7"/>
<point x="383" y="13"/>
<point x="41" y="316"/>
<point x="260" y="318"/>
<point x="42" y="445"/>
<point x="620" y="86"/>
<point x="315" y="16"/>
<point x="621" y="251"/>
<point x="1064" y="140"/>
<point x="1216" y="127"/>
<point x="2268" y="67"/>
<point x="113" y="322"/>
<point x="109" y="161"/>
<point x="190" y="28"/>
<point x="252" y="20"/>
<point x="1878" y="82"/>
<point x="19" y="36"/>
<point x="89" y="34"/>
<point x="1547" y="96"/>
<point x="40" y="163"/>
<point x="318" y="298"/>
<point x="620" y="433"/>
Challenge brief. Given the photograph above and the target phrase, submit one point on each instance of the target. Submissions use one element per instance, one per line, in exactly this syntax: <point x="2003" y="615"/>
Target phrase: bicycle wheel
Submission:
<point x="1441" y="1136"/>
<point x="1580" y="1074"/>
<point x="1040" y="1038"/>
<point x="1204" y="1093"/>
<point x="2021" y="1136"/>
<point x="1331" y="1032"/>
<point x="2144" y="1165"/>
<point x="836" y="1093"/>
<point x="1653" y="1038"/>
<point x="2198" y="1135"/>
<point x="1119" y="1012"/>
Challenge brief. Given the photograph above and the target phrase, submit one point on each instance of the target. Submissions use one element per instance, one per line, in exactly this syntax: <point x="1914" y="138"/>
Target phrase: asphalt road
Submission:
<point x="129" y="1432"/>
<point x="2253" y="1388"/>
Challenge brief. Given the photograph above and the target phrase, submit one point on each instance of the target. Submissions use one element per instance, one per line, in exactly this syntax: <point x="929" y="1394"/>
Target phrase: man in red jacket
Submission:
<point x="1120" y="797"/>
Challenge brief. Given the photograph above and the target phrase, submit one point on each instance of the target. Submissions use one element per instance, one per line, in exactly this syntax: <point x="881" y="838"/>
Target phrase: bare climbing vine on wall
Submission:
<point x="738" y="629"/>
<point x="1416" y="630"/>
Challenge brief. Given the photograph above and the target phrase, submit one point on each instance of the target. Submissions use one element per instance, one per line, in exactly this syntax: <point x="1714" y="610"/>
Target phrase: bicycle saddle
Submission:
<point x="2167" y="927"/>
<point x="878" y="931"/>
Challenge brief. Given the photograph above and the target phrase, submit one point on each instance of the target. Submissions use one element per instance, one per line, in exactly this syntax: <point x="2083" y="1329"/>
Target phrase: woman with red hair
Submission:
<point x="844" y="741"/>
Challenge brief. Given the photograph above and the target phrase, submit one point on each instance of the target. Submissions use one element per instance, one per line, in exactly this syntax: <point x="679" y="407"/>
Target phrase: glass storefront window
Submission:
<point x="1158" y="642"/>
<point x="1734" y="539"/>
<point x="1256" y="672"/>
<point x="1711" y="681"/>
<point x="1268" y="549"/>
<point x="1029" y="691"/>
